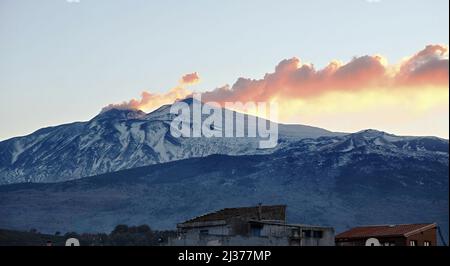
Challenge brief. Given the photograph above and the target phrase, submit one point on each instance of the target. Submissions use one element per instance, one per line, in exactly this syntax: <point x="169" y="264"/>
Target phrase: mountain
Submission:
<point x="368" y="177"/>
<point x="124" y="166"/>
<point x="115" y="140"/>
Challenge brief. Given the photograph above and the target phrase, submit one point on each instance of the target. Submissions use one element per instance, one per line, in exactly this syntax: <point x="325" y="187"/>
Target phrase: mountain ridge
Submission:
<point x="117" y="139"/>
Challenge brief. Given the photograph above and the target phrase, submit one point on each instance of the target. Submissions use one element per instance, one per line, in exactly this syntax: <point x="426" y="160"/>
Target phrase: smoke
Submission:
<point x="149" y="101"/>
<point x="293" y="79"/>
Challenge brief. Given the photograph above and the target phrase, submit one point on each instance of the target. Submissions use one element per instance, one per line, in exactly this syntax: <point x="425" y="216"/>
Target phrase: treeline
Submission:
<point x="122" y="235"/>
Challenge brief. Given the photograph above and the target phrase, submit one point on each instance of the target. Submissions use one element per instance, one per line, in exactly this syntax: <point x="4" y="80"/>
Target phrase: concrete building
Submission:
<point x="389" y="235"/>
<point x="250" y="226"/>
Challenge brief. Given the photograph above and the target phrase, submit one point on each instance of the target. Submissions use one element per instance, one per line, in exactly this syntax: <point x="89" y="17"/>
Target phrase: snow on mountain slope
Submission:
<point x="115" y="140"/>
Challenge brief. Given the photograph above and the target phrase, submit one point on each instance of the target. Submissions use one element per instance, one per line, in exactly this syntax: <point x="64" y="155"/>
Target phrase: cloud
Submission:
<point x="190" y="79"/>
<point x="294" y="80"/>
<point x="429" y="66"/>
<point x="365" y="92"/>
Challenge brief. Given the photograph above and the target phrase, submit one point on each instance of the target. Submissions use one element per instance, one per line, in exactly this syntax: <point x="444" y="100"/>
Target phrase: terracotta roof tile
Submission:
<point x="384" y="230"/>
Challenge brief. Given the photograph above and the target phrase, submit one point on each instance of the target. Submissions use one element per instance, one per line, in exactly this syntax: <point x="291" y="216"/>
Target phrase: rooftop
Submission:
<point x="385" y="230"/>
<point x="272" y="213"/>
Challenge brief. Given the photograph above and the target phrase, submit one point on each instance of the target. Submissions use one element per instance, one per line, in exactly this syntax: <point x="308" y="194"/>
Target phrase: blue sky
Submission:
<point x="62" y="62"/>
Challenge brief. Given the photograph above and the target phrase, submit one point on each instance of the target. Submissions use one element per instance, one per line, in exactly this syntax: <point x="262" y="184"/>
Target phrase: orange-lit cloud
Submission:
<point x="292" y="79"/>
<point x="189" y="79"/>
<point x="150" y="101"/>
<point x="428" y="67"/>
<point x="409" y="97"/>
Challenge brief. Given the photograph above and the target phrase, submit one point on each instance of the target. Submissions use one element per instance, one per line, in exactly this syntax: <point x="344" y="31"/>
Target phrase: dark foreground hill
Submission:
<point x="363" y="178"/>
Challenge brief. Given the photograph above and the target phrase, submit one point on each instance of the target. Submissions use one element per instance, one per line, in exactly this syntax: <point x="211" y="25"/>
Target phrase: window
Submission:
<point x="204" y="232"/>
<point x="317" y="234"/>
<point x="296" y="232"/>
<point x="307" y="233"/>
<point x="412" y="243"/>
<point x="427" y="243"/>
<point x="256" y="230"/>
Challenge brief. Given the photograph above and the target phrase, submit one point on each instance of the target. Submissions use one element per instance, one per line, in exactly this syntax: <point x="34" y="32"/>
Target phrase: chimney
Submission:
<point x="259" y="211"/>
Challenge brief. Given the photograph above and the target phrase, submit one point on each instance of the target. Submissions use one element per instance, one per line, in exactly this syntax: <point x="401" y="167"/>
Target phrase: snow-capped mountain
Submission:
<point x="369" y="177"/>
<point x="342" y="180"/>
<point x="115" y="140"/>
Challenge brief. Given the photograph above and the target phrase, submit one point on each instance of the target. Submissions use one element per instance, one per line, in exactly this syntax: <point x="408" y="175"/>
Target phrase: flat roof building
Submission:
<point x="258" y="225"/>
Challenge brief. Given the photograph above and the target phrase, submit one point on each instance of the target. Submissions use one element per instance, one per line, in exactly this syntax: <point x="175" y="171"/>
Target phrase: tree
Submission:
<point x="143" y="229"/>
<point x="72" y="234"/>
<point x="120" y="229"/>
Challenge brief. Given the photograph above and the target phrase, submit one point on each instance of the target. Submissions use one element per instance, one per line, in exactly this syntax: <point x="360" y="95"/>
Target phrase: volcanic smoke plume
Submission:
<point x="150" y="101"/>
<point x="293" y="79"/>
<point x="367" y="91"/>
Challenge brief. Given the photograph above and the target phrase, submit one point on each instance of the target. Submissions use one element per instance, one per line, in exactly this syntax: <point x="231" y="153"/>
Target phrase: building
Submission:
<point x="389" y="235"/>
<point x="250" y="226"/>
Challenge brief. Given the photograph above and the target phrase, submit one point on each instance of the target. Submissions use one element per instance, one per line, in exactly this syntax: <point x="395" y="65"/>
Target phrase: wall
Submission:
<point x="428" y="235"/>
<point x="271" y="235"/>
<point x="220" y="240"/>
<point x="421" y="237"/>
<point x="327" y="238"/>
<point x="212" y="230"/>
<point x="393" y="241"/>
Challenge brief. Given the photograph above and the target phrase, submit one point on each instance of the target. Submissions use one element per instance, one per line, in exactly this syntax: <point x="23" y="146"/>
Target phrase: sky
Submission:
<point x="341" y="65"/>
